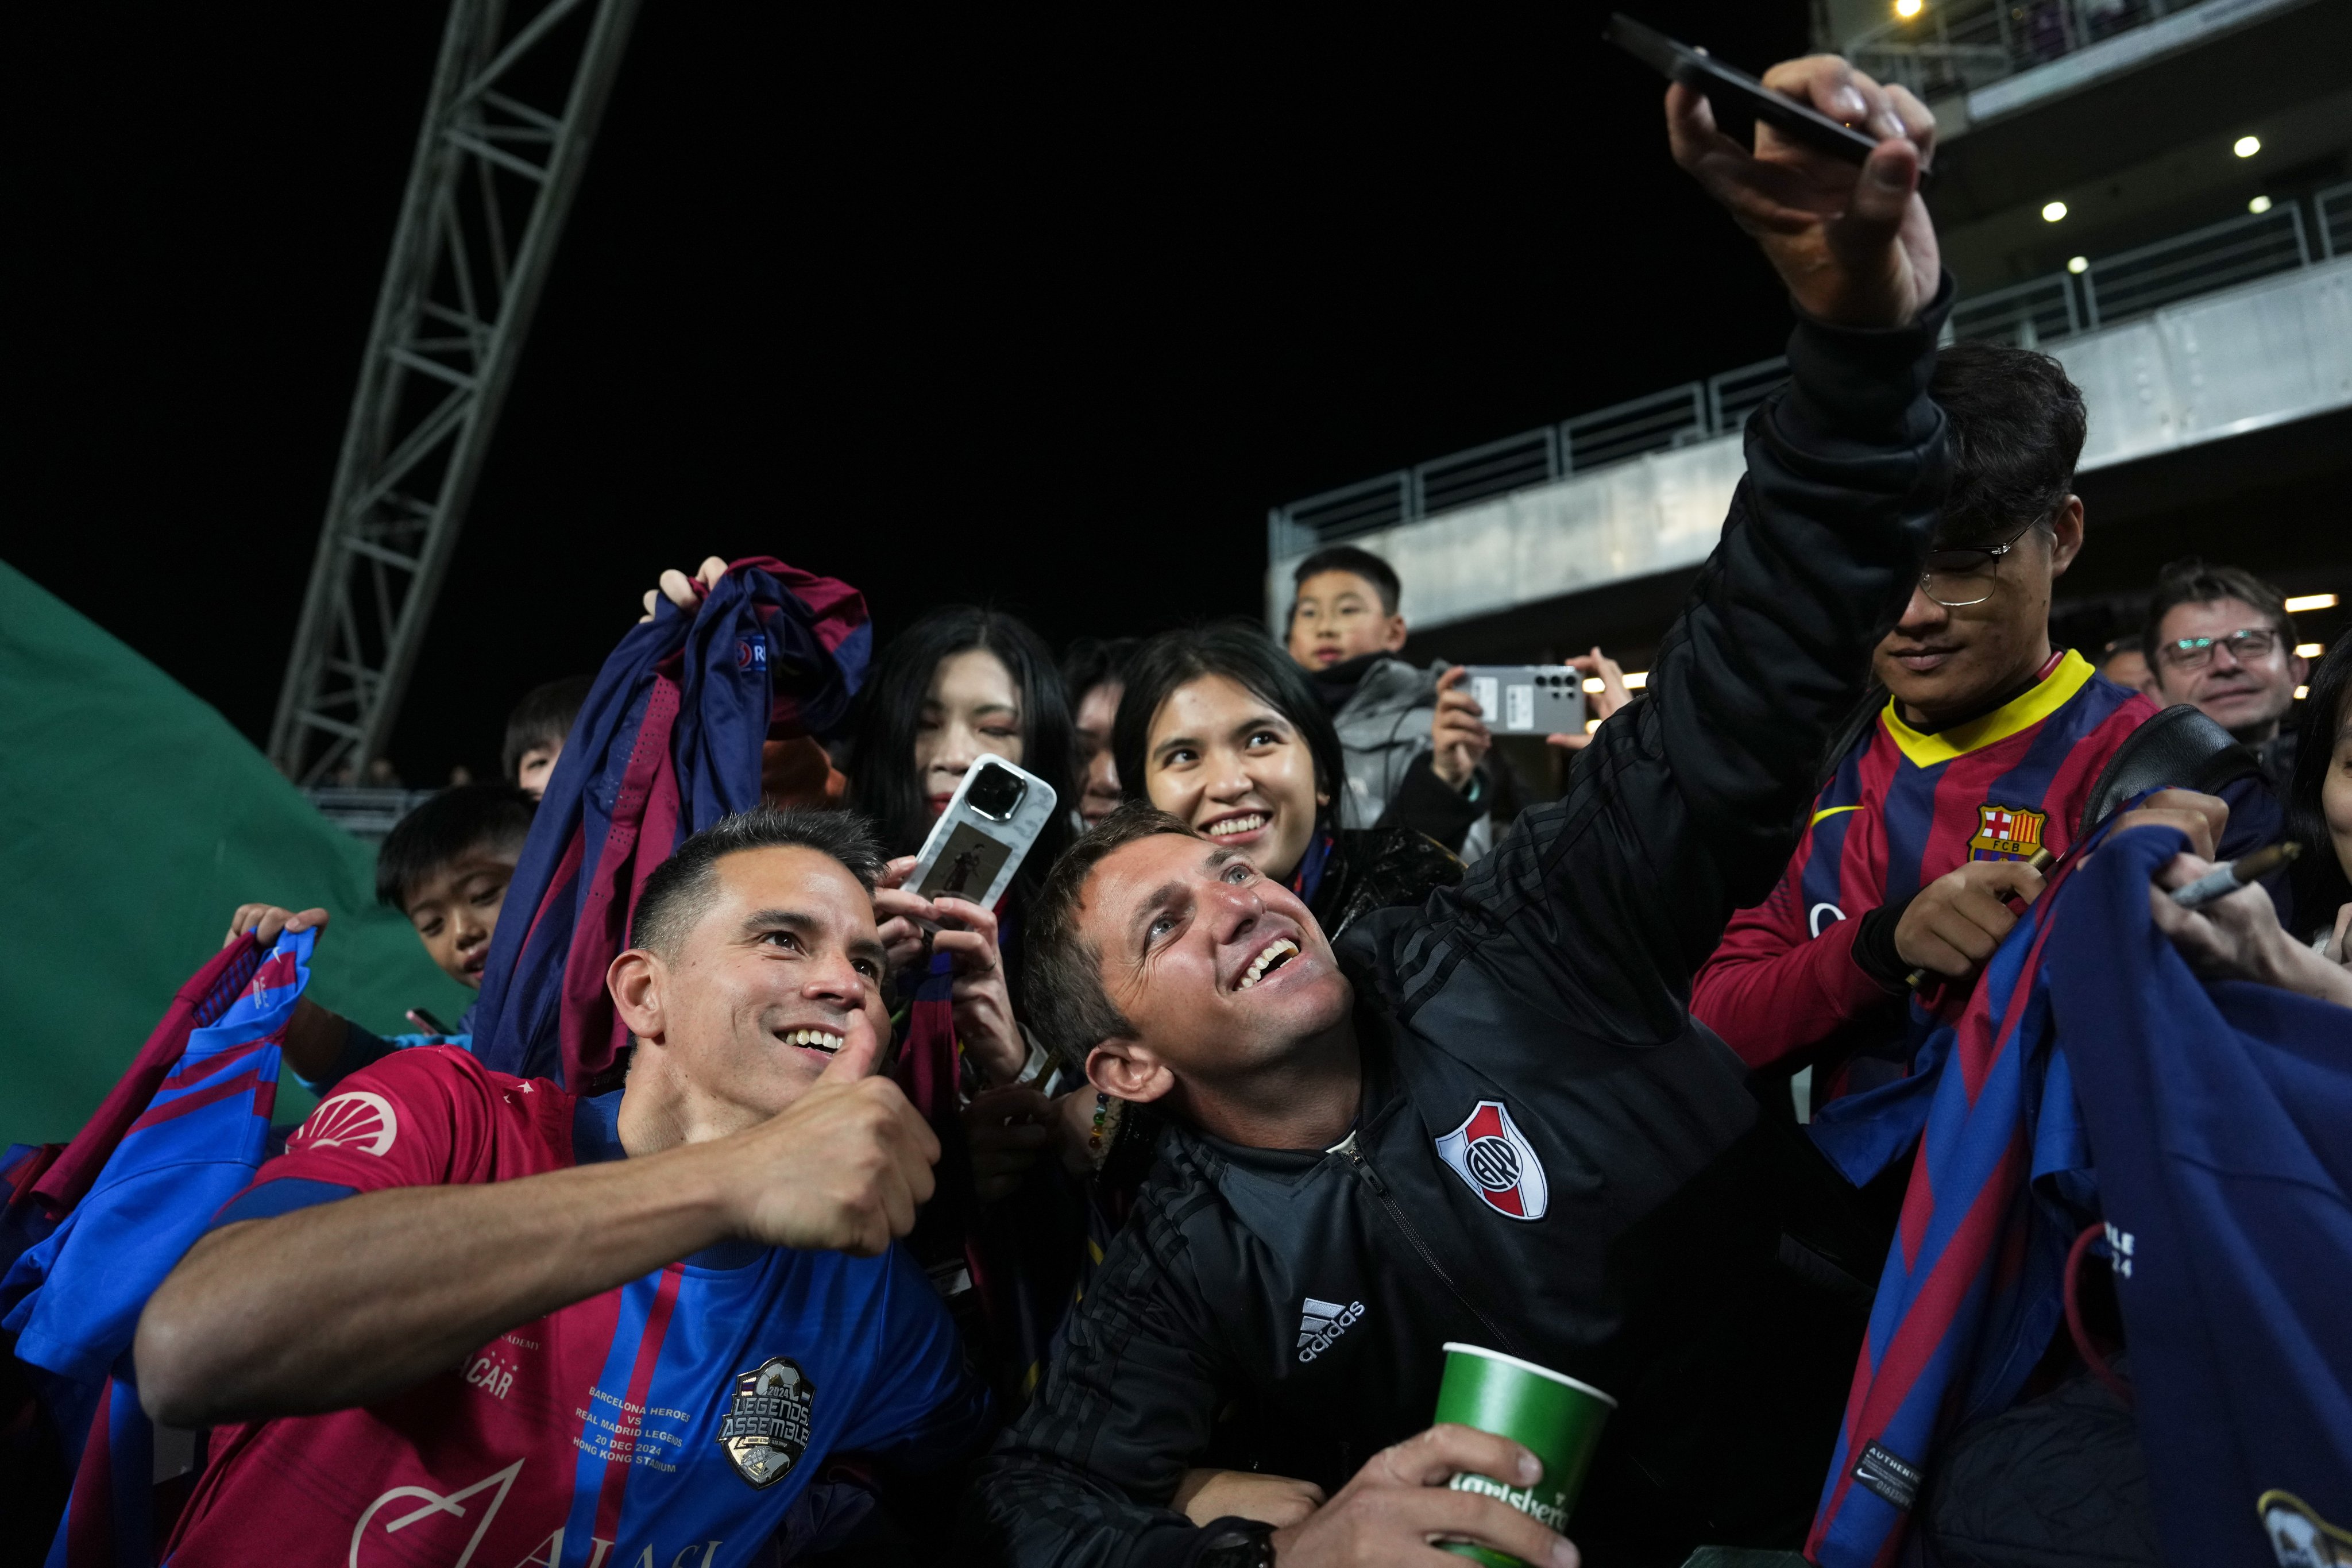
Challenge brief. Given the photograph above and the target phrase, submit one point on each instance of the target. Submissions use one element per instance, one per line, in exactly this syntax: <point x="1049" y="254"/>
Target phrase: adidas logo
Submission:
<point x="1322" y="1322"/>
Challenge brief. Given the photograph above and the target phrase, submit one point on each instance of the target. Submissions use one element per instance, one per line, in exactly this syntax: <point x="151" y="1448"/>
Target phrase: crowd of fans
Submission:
<point x="1298" y="922"/>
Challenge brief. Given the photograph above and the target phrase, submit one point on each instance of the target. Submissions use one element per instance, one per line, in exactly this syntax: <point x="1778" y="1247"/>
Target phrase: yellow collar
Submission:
<point x="2023" y="711"/>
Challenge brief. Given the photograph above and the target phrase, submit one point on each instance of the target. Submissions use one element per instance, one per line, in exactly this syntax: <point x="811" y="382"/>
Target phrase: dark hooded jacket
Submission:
<point x="1550" y="1158"/>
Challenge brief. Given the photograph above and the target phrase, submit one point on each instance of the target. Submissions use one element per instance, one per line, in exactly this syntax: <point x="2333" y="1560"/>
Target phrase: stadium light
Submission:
<point x="2051" y="211"/>
<point x="1907" y="9"/>
<point x="2078" y="264"/>
<point x="1636" y="679"/>
<point x="2301" y="692"/>
<point x="1595" y="685"/>
<point x="2309" y="649"/>
<point x="2246" y="146"/>
<point x="2302" y="602"/>
<point x="2259" y="204"/>
<point x="1590" y="725"/>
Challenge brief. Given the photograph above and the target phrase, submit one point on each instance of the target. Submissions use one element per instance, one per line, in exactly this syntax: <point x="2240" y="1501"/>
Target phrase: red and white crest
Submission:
<point x="1495" y="1161"/>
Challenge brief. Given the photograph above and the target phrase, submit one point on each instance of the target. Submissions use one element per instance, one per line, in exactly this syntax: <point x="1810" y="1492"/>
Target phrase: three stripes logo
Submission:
<point x="1321" y="1323"/>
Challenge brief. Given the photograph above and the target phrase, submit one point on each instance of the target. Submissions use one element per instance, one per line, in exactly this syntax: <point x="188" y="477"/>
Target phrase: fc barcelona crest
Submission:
<point x="766" y="1428"/>
<point x="2006" y="832"/>
<point x="1495" y="1161"/>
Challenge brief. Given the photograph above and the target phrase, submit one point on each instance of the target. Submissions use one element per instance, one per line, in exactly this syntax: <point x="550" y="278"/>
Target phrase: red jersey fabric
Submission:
<point x="1904" y="808"/>
<point x="681" y="1413"/>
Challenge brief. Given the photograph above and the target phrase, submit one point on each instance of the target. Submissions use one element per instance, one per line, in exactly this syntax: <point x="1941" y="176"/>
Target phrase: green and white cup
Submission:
<point x="1547" y="1412"/>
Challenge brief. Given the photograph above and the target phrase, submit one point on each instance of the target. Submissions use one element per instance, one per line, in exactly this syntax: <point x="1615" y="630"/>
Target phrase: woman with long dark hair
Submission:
<point x="960" y="681"/>
<point x="1219" y="728"/>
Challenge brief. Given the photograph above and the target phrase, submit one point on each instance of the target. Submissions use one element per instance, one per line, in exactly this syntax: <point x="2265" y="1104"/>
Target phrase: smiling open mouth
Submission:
<point x="1232" y="825"/>
<point x="1279" y="951"/>
<point x="815" y="1040"/>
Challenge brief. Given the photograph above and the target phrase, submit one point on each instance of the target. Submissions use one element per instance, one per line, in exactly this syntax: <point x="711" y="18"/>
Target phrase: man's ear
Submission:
<point x="1128" y="1070"/>
<point x="2066" y="535"/>
<point x="640" y="983"/>
<point x="1393" y="634"/>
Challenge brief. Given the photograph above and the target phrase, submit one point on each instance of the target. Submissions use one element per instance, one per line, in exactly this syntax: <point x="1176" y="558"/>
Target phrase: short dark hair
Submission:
<point x="1362" y="562"/>
<point x="1068" y="1008"/>
<point x="467" y="816"/>
<point x="2321" y="883"/>
<point x="2017" y="428"/>
<point x="1244" y="654"/>
<point x="2189" y="580"/>
<point x="679" y="889"/>
<point x="1090" y="661"/>
<point x="544" y="718"/>
<point x="882" y="780"/>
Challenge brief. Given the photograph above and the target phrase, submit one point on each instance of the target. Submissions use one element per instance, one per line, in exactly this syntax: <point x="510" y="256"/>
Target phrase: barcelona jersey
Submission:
<point x="1904" y="808"/>
<point x="682" y="1413"/>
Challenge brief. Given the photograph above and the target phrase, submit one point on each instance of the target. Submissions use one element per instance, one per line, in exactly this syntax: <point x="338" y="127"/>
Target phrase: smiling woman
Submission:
<point x="959" y="683"/>
<point x="1221" y="730"/>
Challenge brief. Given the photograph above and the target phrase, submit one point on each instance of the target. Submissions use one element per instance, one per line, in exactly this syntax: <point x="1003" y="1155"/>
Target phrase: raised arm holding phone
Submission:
<point x="1611" y="1226"/>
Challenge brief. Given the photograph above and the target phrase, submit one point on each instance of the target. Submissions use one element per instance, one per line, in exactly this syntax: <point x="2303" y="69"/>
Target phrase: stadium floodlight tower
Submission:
<point x="458" y="293"/>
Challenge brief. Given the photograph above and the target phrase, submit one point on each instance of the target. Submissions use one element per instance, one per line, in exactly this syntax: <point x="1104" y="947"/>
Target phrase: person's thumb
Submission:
<point x="2019" y="879"/>
<point x="860" y="1048"/>
<point x="1881" y="196"/>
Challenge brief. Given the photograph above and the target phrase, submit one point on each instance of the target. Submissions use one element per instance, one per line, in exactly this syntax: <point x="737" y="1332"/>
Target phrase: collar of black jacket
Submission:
<point x="1376" y="1045"/>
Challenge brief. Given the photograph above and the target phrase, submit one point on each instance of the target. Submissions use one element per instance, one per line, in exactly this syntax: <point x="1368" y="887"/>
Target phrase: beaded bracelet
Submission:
<point x="1106" y="1128"/>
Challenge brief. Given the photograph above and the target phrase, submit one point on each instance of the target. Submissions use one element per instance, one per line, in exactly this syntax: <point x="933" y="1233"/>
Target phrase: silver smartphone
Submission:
<point x="979" y="840"/>
<point x="1528" y="699"/>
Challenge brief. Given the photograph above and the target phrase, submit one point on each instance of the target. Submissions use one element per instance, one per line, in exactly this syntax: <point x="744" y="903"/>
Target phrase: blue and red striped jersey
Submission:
<point x="682" y="1413"/>
<point x="1904" y="808"/>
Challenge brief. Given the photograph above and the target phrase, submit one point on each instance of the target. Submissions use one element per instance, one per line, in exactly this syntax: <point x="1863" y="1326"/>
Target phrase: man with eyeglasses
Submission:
<point x="2219" y="637"/>
<point x="1980" y="746"/>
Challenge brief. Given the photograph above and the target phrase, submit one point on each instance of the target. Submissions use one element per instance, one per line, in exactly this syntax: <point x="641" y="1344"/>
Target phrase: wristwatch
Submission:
<point x="1236" y="1544"/>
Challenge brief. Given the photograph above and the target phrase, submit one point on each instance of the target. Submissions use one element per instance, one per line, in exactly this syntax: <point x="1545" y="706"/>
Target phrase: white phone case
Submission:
<point x="971" y="855"/>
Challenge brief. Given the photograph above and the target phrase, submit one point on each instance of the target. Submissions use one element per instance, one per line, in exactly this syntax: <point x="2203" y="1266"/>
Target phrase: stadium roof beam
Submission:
<point x="492" y="181"/>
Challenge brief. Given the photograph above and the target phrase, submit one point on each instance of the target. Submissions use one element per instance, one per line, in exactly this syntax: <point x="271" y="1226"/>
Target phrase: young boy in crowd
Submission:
<point x="536" y="729"/>
<point x="1414" y="746"/>
<point x="1984" y="748"/>
<point x="445" y="867"/>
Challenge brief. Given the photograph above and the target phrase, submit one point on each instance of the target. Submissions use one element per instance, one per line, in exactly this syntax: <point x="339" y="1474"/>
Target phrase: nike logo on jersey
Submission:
<point x="1321" y="1323"/>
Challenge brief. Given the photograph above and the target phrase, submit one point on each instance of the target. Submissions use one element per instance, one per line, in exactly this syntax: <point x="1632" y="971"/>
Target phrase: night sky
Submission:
<point x="1042" y="311"/>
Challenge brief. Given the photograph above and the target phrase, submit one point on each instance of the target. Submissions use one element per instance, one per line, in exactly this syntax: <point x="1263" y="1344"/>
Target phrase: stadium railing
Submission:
<point x="2089" y="293"/>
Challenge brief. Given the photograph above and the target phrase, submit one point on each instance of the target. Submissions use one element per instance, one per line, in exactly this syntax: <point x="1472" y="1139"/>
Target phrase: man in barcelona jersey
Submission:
<point x="472" y="1319"/>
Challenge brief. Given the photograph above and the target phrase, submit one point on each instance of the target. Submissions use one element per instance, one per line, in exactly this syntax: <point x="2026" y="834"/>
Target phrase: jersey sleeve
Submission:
<point x="1771" y="990"/>
<point x="924" y="1408"/>
<point x="417" y="1118"/>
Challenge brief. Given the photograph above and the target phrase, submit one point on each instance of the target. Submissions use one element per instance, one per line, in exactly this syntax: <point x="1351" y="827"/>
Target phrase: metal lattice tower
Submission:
<point x="493" y="179"/>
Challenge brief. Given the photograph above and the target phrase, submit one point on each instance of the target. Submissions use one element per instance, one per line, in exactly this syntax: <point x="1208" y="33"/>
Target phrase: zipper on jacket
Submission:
<point x="1371" y="1178"/>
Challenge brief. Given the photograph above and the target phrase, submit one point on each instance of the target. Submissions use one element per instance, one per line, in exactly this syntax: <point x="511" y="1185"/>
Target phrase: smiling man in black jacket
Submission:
<point x="1491" y="1119"/>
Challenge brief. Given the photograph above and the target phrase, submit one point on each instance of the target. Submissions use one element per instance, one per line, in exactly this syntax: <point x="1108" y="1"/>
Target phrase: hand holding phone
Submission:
<point x="1854" y="245"/>
<point x="978" y="841"/>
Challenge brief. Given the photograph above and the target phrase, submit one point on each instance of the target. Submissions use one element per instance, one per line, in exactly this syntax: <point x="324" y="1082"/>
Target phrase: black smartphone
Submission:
<point x="428" y="1022"/>
<point x="1728" y="88"/>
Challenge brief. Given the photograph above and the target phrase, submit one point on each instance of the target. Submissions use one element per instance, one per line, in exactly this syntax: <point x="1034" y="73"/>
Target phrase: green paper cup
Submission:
<point x="1551" y="1414"/>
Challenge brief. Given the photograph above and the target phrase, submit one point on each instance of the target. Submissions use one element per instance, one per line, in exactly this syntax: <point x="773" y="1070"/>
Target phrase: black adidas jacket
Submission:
<point x="1686" y="1253"/>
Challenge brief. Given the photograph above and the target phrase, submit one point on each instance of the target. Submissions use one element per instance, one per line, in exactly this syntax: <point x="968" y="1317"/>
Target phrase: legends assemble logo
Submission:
<point x="766" y="1428"/>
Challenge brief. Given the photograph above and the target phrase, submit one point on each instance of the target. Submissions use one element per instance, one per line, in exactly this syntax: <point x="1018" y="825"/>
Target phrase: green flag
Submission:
<point x="135" y="820"/>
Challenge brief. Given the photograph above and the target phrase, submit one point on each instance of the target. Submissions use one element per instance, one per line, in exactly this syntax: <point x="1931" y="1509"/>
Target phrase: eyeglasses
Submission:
<point x="1958" y="578"/>
<point x="2245" y="645"/>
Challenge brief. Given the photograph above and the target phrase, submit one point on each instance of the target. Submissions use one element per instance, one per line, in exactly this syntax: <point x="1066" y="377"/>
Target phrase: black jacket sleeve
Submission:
<point x="1132" y="1386"/>
<point x="1684" y="807"/>
<point x="1427" y="803"/>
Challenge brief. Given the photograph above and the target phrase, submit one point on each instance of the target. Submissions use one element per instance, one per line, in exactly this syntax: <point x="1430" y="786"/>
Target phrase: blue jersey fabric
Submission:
<point x="2221" y="1114"/>
<point x="78" y="1293"/>
<point x="616" y="1414"/>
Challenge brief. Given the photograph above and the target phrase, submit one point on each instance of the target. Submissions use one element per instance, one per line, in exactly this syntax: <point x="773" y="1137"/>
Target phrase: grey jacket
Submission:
<point x="1383" y="727"/>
